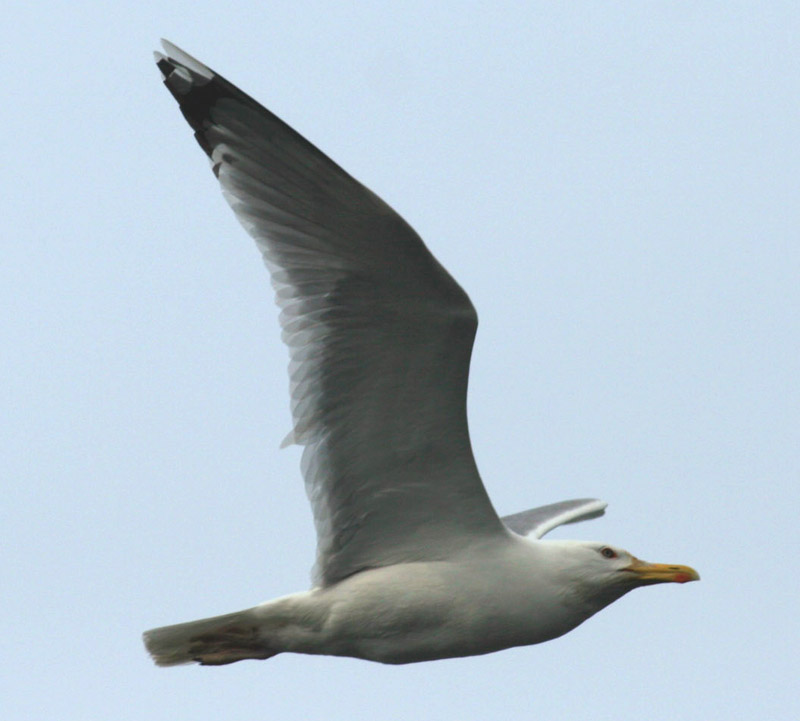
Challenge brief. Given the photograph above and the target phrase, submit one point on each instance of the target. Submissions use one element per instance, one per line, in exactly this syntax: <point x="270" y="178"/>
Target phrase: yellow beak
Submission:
<point x="661" y="572"/>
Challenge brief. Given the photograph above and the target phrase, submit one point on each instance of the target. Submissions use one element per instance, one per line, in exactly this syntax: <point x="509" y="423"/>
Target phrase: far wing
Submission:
<point x="379" y="334"/>
<point x="538" y="521"/>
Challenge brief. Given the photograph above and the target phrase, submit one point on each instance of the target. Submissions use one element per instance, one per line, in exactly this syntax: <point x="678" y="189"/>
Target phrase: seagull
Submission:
<point x="413" y="563"/>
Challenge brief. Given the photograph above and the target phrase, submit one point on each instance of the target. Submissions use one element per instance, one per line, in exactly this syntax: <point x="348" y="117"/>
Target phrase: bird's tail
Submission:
<point x="209" y="641"/>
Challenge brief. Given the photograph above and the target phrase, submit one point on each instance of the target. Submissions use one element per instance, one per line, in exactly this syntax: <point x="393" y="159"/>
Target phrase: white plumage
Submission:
<point x="413" y="563"/>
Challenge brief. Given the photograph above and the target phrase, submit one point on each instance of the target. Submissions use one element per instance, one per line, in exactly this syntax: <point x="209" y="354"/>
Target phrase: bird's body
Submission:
<point x="494" y="595"/>
<point x="413" y="563"/>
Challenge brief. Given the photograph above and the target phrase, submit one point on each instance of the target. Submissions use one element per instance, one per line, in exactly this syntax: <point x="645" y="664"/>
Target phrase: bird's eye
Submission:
<point x="608" y="552"/>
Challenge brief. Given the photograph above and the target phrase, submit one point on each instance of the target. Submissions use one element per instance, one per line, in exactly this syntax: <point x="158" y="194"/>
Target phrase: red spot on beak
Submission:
<point x="682" y="578"/>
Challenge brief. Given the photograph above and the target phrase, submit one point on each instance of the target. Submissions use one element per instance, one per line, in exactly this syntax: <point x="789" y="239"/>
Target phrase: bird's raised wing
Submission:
<point x="536" y="522"/>
<point x="380" y="338"/>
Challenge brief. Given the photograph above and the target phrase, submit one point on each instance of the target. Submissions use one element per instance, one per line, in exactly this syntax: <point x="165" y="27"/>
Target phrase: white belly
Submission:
<point x="424" y="611"/>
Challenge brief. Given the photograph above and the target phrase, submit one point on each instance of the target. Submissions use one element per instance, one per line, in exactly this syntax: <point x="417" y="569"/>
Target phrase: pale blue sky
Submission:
<point x="615" y="184"/>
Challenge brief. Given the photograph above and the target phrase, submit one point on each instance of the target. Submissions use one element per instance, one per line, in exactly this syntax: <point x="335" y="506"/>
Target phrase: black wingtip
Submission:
<point x="197" y="89"/>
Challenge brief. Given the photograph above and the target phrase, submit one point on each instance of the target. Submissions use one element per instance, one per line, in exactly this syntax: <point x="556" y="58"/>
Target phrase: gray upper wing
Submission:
<point x="537" y="522"/>
<point x="379" y="334"/>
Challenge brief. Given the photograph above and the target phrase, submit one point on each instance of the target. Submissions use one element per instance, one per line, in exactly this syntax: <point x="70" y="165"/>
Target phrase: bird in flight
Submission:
<point x="413" y="563"/>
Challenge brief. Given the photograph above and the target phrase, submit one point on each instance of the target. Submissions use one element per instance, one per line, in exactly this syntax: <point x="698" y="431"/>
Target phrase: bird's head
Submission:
<point x="604" y="573"/>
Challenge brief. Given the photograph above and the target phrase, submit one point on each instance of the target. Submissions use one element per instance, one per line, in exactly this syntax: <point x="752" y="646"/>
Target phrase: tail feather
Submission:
<point x="209" y="641"/>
